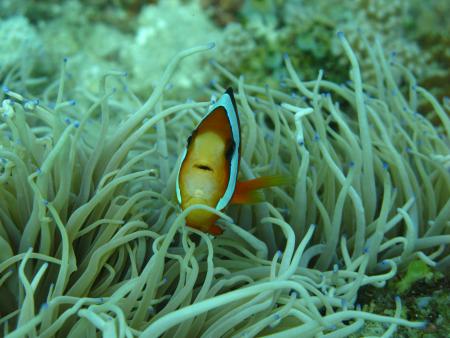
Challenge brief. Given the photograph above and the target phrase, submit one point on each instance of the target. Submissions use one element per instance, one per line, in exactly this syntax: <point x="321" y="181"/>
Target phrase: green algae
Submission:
<point x="417" y="270"/>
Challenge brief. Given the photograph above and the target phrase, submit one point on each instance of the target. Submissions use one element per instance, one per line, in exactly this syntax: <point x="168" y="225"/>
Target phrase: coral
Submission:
<point x="92" y="241"/>
<point x="18" y="40"/>
<point x="222" y="12"/>
<point x="433" y="36"/>
<point x="92" y="48"/>
<point x="162" y="29"/>
<point x="10" y="8"/>
<point x="73" y="30"/>
<point x="303" y="29"/>
<point x="389" y="21"/>
<point x="235" y="47"/>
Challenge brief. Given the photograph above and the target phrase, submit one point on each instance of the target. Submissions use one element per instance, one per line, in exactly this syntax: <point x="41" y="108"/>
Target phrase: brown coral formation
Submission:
<point x="222" y="12"/>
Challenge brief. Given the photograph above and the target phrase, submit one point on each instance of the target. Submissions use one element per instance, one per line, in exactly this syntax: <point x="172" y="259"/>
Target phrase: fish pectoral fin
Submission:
<point x="248" y="197"/>
<point x="247" y="192"/>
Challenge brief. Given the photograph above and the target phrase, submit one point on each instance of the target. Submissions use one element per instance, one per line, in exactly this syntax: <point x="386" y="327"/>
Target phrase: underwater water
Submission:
<point x="344" y="107"/>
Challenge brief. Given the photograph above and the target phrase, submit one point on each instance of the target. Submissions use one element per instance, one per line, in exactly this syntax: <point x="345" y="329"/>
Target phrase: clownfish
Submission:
<point x="209" y="167"/>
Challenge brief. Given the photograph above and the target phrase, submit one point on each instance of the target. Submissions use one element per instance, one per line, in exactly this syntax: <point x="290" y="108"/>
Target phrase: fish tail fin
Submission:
<point x="247" y="192"/>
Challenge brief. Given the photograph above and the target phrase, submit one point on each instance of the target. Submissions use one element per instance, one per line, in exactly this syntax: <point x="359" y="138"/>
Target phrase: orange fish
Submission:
<point x="210" y="165"/>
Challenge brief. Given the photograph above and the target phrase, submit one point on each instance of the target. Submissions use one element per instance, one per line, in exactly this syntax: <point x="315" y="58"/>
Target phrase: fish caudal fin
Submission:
<point x="247" y="192"/>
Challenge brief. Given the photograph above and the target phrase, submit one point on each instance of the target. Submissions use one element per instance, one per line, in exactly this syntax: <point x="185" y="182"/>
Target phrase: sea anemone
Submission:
<point x="92" y="239"/>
